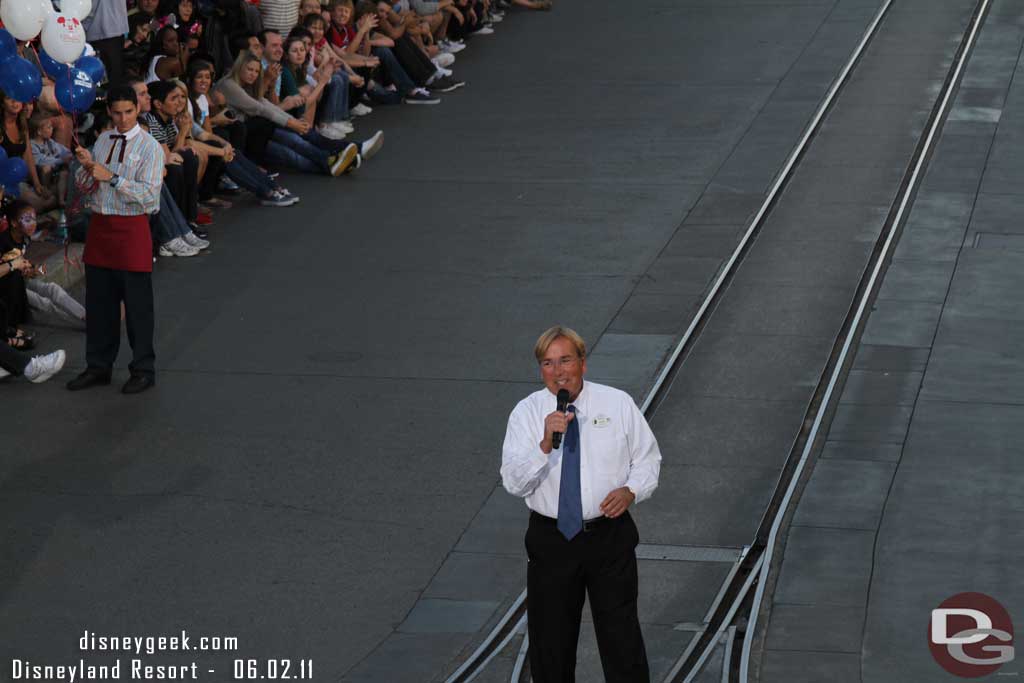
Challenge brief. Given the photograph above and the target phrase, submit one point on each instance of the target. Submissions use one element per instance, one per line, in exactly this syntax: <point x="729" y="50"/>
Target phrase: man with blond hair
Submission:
<point x="581" y="538"/>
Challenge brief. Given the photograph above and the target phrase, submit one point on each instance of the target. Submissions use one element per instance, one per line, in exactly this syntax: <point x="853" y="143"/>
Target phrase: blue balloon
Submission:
<point x="20" y="79"/>
<point x="13" y="171"/>
<point x="3" y="155"/>
<point x="92" y="66"/>
<point x="12" y="191"/>
<point x="51" y="67"/>
<point x="8" y="46"/>
<point x="75" y="91"/>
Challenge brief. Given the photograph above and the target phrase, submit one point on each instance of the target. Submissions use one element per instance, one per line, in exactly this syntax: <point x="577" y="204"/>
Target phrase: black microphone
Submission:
<point x="563" y="403"/>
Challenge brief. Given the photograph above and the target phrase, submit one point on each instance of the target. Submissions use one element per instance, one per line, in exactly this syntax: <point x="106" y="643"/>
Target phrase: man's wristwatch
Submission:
<point x="114" y="180"/>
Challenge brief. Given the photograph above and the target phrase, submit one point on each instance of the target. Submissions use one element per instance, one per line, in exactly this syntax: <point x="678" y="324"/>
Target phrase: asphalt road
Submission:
<point x="334" y="377"/>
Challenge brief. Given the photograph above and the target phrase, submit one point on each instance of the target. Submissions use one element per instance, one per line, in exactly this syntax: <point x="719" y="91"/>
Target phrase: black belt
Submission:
<point x="588" y="524"/>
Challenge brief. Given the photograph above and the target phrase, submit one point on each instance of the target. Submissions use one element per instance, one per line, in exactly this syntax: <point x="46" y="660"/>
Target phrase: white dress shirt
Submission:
<point x="617" y="448"/>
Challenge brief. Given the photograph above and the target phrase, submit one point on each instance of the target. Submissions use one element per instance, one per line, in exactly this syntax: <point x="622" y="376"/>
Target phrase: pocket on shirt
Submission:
<point x="611" y="457"/>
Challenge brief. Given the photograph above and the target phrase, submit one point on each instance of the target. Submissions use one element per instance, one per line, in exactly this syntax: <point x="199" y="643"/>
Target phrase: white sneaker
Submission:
<point x="443" y="59"/>
<point x="178" y="247"/>
<point x="194" y="240"/>
<point x="360" y="110"/>
<point x="483" y="31"/>
<point x="451" y="47"/>
<point x="372" y="145"/>
<point x="4" y="373"/>
<point x="42" y="368"/>
<point x="330" y="131"/>
<point x="495" y="17"/>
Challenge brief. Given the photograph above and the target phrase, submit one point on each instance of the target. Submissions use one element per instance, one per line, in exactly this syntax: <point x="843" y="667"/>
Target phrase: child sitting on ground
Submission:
<point x="51" y="159"/>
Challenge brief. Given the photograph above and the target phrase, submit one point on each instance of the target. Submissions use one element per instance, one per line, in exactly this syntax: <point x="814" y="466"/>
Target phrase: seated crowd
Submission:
<point x="234" y="91"/>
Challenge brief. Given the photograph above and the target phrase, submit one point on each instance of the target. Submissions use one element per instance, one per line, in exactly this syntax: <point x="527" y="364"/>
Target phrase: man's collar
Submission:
<point x="135" y="130"/>
<point x="580" y="401"/>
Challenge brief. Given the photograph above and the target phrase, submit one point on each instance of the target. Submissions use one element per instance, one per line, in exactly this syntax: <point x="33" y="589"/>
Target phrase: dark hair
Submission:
<point x="365" y="7"/>
<point x="313" y="18"/>
<point x="194" y="67"/>
<point x="156" y="44"/>
<point x="262" y="35"/>
<point x="14" y="209"/>
<point x="121" y="92"/>
<point x="240" y="41"/>
<point x="136" y="20"/>
<point x="298" y="33"/>
<point x="159" y="90"/>
<point x="296" y="37"/>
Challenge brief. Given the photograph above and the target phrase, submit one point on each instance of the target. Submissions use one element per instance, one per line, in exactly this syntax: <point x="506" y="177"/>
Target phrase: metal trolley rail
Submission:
<point x="732" y="618"/>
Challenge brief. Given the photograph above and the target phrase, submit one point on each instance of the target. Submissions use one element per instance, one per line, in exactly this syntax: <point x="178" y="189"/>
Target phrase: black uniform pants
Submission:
<point x="111" y="53"/>
<point x="105" y="289"/>
<point x="602" y="563"/>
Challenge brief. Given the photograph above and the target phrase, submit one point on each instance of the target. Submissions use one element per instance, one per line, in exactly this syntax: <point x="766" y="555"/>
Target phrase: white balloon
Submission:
<point x="24" y="19"/>
<point x="79" y="9"/>
<point x="63" y="37"/>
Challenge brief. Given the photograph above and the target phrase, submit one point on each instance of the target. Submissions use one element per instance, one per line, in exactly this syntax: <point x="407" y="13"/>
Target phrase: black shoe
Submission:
<point x="199" y="231"/>
<point x="138" y="383"/>
<point x="446" y="84"/>
<point x="89" y="378"/>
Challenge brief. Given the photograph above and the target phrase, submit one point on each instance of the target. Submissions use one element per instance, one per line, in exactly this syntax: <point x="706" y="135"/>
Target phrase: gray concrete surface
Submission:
<point x="917" y="485"/>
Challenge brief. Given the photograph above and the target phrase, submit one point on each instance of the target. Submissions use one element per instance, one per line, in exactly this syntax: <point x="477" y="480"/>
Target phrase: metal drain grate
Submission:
<point x="687" y="553"/>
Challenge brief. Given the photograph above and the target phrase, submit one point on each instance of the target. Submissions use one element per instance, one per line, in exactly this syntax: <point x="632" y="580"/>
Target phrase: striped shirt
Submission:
<point x="166" y="133"/>
<point x="280" y="15"/>
<point x="139" y="161"/>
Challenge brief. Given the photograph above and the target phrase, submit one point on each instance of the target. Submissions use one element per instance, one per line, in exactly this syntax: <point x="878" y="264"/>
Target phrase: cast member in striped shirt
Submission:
<point x="123" y="173"/>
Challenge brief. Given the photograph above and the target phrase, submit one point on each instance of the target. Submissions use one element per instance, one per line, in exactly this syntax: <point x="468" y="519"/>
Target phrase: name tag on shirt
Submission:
<point x="600" y="422"/>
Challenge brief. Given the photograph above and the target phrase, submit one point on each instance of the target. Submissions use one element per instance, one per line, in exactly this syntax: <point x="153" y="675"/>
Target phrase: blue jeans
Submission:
<point x="169" y="222"/>
<point x="288" y="148"/>
<point x="307" y="153"/>
<point x="249" y="176"/>
<point x="334" y="103"/>
<point x="394" y="70"/>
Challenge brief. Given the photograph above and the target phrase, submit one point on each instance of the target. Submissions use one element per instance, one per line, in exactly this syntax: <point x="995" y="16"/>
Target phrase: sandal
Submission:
<point x="21" y="343"/>
<point x="21" y="334"/>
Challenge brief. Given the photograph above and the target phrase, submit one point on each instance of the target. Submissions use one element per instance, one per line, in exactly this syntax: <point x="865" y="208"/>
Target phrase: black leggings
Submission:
<point x="181" y="181"/>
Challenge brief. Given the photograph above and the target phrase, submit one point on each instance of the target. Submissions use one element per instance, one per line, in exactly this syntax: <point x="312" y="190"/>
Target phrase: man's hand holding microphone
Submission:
<point x="556" y="423"/>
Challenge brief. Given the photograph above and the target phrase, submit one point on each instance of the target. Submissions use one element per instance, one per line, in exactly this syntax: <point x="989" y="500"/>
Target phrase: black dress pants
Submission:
<point x="111" y="53"/>
<point x="602" y="563"/>
<point x="414" y="60"/>
<point x="105" y="289"/>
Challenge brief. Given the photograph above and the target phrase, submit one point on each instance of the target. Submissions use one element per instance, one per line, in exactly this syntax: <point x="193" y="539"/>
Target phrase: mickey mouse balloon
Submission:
<point x="63" y="37"/>
<point x="79" y="9"/>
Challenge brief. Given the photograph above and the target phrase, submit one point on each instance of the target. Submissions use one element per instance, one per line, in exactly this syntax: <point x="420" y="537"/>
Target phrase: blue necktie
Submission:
<point x="570" y="500"/>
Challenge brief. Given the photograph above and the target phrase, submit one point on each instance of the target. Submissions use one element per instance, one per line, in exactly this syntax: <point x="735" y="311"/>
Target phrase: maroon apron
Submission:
<point x="119" y="243"/>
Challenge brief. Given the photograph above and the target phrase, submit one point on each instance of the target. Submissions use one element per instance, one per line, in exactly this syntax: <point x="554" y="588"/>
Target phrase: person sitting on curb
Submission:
<point x="47" y="300"/>
<point x="285" y="140"/>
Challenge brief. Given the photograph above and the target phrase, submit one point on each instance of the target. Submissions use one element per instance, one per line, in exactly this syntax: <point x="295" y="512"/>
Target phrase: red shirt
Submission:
<point x="340" y="36"/>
